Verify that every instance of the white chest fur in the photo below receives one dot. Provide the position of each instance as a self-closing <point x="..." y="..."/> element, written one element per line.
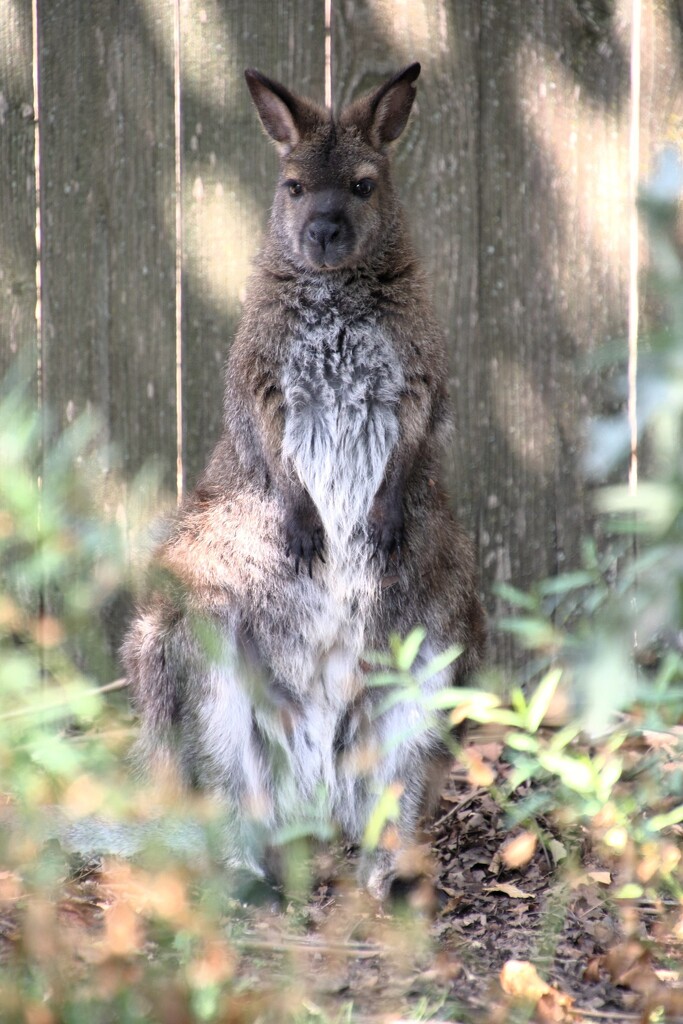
<point x="341" y="388"/>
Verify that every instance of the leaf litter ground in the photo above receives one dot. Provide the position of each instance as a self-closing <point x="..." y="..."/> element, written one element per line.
<point x="473" y="947"/>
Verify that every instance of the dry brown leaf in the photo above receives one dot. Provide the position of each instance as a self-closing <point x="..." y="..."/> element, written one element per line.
<point x="84" y="796"/>
<point x="11" y="887"/>
<point x="668" y="1001"/>
<point x="601" y="877"/>
<point x="478" y="772"/>
<point x="554" y="1008"/>
<point x="122" y="931"/>
<point x="490" y="751"/>
<point x="593" y="968"/>
<point x="521" y="980"/>
<point x="510" y="890"/>
<point x="591" y="877"/>
<point x="48" y="631"/>
<point x="518" y="851"/>
<point x="557" y="850"/>
<point x="37" y="1013"/>
<point x="629" y="965"/>
<point x="216" y="963"/>
<point x="666" y="741"/>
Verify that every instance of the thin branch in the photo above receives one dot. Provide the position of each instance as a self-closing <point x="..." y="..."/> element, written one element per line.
<point x="118" y="684"/>
<point x="360" y="951"/>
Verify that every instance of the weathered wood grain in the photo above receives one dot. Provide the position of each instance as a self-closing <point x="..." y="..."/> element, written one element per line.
<point x="229" y="172"/>
<point x="17" y="191"/>
<point x="553" y="250"/>
<point x="514" y="173"/>
<point x="108" y="220"/>
<point x="436" y="170"/>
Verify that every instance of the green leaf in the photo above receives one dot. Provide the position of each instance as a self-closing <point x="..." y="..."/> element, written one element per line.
<point x="609" y="776"/>
<point x="532" y="632"/>
<point x="557" y="851"/>
<point x="564" y="737"/>
<point x="541" y="698"/>
<point x="662" y="821"/>
<point x="518" y="700"/>
<point x="630" y="891"/>
<point x="522" y="741"/>
<point x="378" y="658"/>
<point x="655" y="504"/>
<point x="573" y="773"/>
<point x="405" y="652"/>
<point x="497" y="716"/>
<point x="387" y="679"/>
<point x="517" y="598"/>
<point x="438" y="663"/>
<point x="385" y="810"/>
<point x="452" y="697"/>
<point x="564" y="584"/>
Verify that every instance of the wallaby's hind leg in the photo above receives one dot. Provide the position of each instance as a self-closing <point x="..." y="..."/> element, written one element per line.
<point x="198" y="699"/>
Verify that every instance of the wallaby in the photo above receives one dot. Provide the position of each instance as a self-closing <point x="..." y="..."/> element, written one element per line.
<point x="319" y="527"/>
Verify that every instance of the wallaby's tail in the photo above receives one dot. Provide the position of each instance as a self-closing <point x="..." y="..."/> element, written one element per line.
<point x="153" y="670"/>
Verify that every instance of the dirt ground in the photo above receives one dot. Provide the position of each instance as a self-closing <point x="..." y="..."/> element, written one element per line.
<point x="492" y="930"/>
<point x="505" y="913"/>
<point x="603" y="959"/>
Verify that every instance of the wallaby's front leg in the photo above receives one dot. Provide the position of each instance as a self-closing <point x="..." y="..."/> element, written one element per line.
<point x="420" y="406"/>
<point x="304" y="534"/>
<point x="258" y="426"/>
<point x="386" y="518"/>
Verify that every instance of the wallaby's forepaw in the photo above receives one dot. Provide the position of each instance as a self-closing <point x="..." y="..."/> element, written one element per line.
<point x="304" y="540"/>
<point x="385" y="531"/>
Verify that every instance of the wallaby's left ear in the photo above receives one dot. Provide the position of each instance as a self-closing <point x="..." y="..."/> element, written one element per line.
<point x="383" y="114"/>
<point x="285" y="116"/>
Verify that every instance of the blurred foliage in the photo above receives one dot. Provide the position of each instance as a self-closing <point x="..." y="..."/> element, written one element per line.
<point x="591" y="732"/>
<point x="163" y="932"/>
<point x="594" y="734"/>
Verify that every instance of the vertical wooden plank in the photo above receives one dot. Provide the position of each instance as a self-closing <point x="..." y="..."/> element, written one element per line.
<point x="17" y="189"/>
<point x="661" y="109"/>
<point x="436" y="170"/>
<point x="554" y="103"/>
<point x="229" y="174"/>
<point x="516" y="175"/>
<point x="107" y="210"/>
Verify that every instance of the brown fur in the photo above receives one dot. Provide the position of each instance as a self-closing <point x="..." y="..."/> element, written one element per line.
<point x="319" y="527"/>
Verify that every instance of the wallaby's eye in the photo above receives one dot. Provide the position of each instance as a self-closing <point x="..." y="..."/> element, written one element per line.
<point x="295" y="188"/>
<point x="364" y="188"/>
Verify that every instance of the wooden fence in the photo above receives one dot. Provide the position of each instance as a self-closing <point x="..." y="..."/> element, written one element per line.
<point x="134" y="176"/>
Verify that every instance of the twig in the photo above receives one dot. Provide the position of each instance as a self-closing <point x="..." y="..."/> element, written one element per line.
<point x="458" y="807"/>
<point x="118" y="684"/>
<point x="616" y="1015"/>
<point x="358" y="950"/>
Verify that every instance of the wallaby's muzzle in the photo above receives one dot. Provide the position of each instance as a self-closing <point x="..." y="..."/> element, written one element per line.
<point x="327" y="240"/>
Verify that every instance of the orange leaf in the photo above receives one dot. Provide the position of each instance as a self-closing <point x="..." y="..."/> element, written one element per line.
<point x="510" y="890"/>
<point x="520" y="979"/>
<point x="123" y="934"/>
<point x="478" y="772"/>
<point x="519" y="851"/>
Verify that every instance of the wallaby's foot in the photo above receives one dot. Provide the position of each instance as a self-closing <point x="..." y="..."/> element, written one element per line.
<point x="403" y="878"/>
<point x="377" y="872"/>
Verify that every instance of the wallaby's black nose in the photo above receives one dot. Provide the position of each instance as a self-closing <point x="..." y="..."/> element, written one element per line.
<point x="323" y="231"/>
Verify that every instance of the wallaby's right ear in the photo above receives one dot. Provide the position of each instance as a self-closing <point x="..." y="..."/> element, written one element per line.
<point x="284" y="116"/>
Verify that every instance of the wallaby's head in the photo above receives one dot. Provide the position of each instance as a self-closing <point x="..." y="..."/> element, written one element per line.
<point x="334" y="200"/>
